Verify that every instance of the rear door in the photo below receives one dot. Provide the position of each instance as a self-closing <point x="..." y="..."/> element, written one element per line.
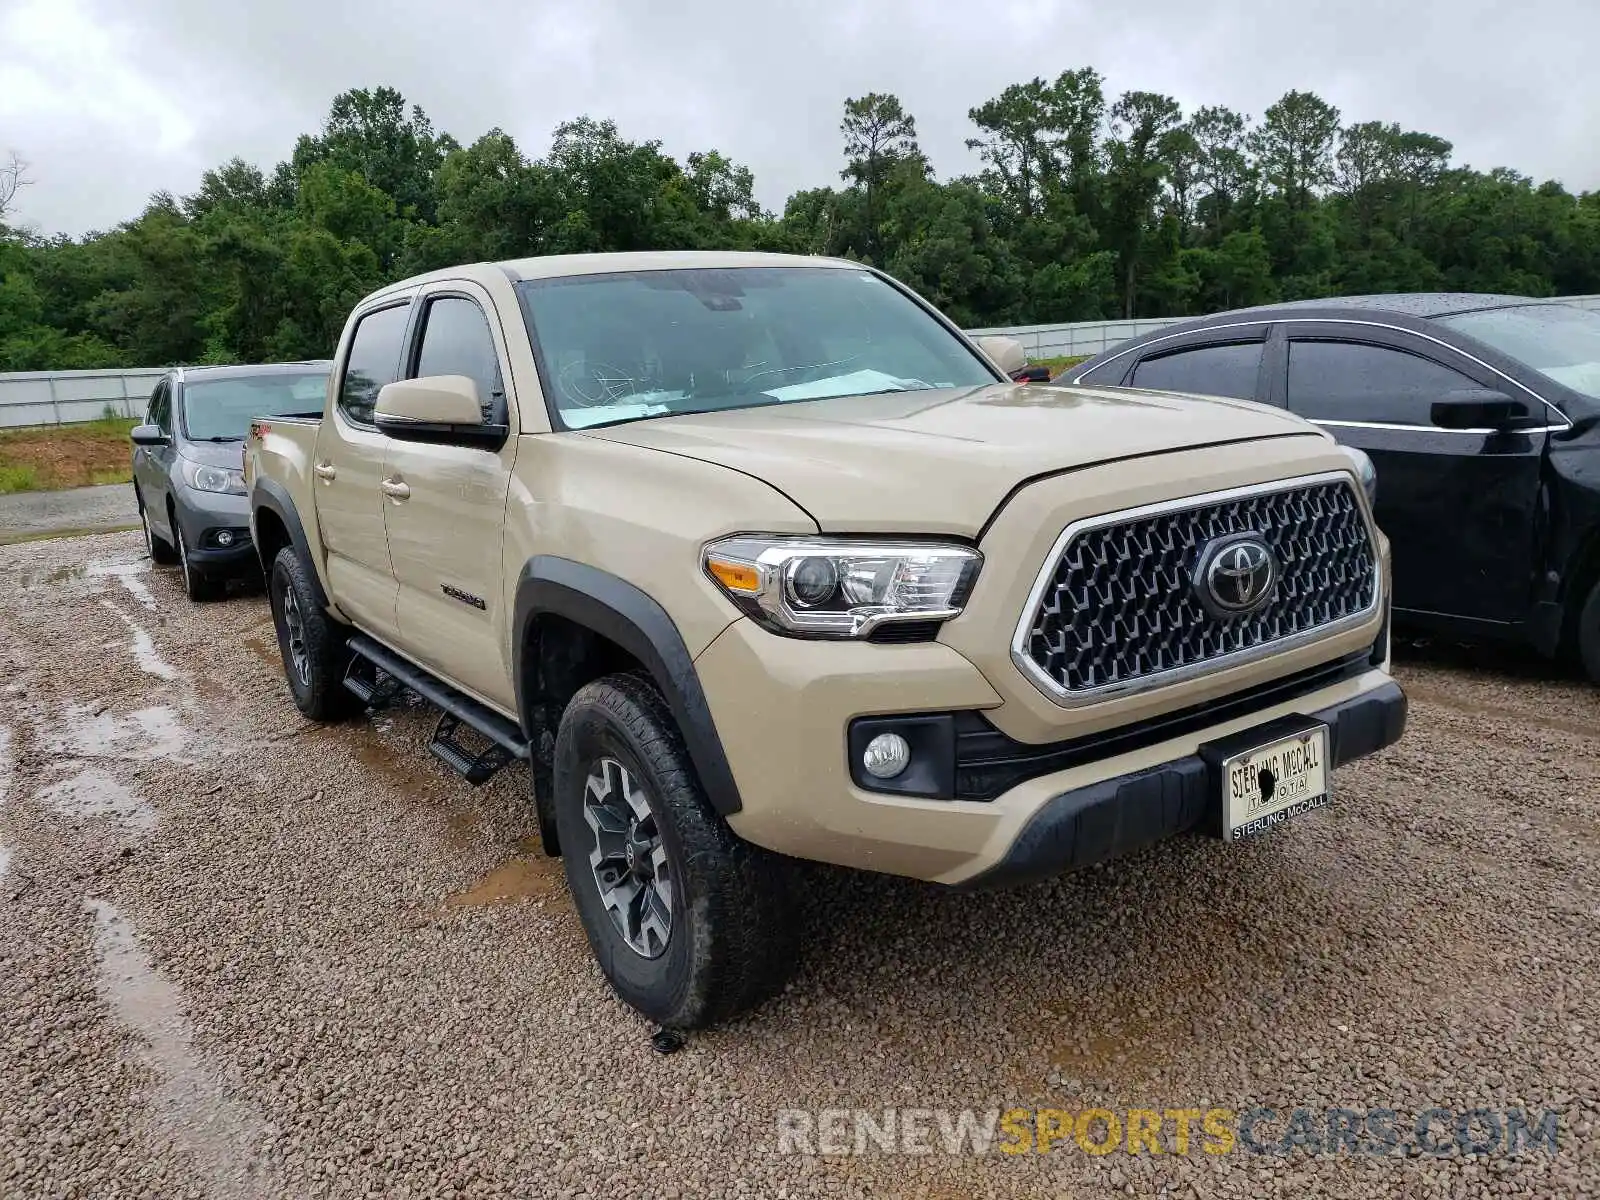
<point x="348" y="468"/>
<point x="446" y="530"/>
<point x="1459" y="506"/>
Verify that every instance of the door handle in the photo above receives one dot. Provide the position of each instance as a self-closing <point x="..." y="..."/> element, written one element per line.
<point x="395" y="489"/>
<point x="325" y="470"/>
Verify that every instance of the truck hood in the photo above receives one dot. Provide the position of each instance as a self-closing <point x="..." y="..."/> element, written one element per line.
<point x="941" y="461"/>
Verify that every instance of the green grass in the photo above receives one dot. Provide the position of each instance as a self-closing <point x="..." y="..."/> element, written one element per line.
<point x="1060" y="363"/>
<point x="18" y="479"/>
<point x="47" y="535"/>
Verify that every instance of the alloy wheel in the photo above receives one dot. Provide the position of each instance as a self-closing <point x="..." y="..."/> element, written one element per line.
<point x="629" y="859"/>
<point x="295" y="627"/>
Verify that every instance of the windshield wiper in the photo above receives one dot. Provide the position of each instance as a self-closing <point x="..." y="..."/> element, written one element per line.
<point x="222" y="439"/>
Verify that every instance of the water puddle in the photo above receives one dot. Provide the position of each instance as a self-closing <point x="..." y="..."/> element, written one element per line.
<point x="223" y="1136"/>
<point x="144" y="648"/>
<point x="149" y="733"/>
<point x="94" y="793"/>
<point x="531" y="876"/>
<point x="5" y="786"/>
<point x="127" y="574"/>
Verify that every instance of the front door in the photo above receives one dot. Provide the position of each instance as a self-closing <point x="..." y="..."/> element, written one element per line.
<point x="446" y="531"/>
<point x="1459" y="506"/>
<point x="348" y="469"/>
<point x="151" y="464"/>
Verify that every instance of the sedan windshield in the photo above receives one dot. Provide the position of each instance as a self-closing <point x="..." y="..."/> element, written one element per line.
<point x="219" y="410"/>
<point x="1556" y="340"/>
<point x="621" y="347"/>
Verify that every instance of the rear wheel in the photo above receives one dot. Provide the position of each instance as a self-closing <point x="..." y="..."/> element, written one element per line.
<point x="1589" y="634"/>
<point x="159" y="549"/>
<point x="200" y="586"/>
<point x="690" y="923"/>
<point x="310" y="642"/>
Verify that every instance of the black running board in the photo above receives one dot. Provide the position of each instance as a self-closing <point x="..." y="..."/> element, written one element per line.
<point x="456" y="707"/>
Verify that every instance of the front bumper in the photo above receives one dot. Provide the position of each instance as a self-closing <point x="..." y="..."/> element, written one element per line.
<point x="1103" y="820"/>
<point x="783" y="709"/>
<point x="203" y="515"/>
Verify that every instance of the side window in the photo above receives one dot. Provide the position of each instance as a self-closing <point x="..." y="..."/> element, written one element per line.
<point x="1348" y="381"/>
<point x="1209" y="370"/>
<point x="456" y="341"/>
<point x="374" y="360"/>
<point x="160" y="410"/>
<point x="1107" y="374"/>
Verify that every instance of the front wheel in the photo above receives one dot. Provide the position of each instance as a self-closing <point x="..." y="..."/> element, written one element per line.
<point x="158" y="548"/>
<point x="199" y="586"/>
<point x="690" y="923"/>
<point x="310" y="642"/>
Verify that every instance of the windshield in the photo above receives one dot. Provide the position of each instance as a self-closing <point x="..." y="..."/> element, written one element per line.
<point x="621" y="347"/>
<point x="1556" y="340"/>
<point x="219" y="410"/>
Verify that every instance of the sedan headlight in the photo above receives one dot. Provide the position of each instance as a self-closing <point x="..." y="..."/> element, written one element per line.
<point x="837" y="588"/>
<point x="1365" y="471"/>
<point x="212" y="479"/>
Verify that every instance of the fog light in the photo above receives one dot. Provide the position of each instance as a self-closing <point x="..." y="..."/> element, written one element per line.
<point x="225" y="538"/>
<point x="886" y="756"/>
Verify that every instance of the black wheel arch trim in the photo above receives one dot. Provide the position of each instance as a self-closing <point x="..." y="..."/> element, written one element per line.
<point x="617" y="610"/>
<point x="274" y="497"/>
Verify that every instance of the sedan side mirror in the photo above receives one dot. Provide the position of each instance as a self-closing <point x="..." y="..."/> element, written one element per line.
<point x="1478" y="408"/>
<point x="1006" y="353"/>
<point x="1034" y="374"/>
<point x="148" y="435"/>
<point x="437" y="408"/>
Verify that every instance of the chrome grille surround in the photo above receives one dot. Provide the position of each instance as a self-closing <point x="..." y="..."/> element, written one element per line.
<point x="1342" y="552"/>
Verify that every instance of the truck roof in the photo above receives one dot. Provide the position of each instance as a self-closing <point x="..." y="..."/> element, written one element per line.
<point x="554" y="266"/>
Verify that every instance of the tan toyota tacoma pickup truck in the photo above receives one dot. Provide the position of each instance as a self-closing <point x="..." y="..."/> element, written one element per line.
<point x="757" y="557"/>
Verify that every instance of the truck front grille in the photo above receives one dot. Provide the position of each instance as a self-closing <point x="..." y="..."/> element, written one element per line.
<point x="1119" y="609"/>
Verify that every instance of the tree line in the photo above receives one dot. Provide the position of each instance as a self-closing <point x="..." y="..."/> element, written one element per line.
<point x="1081" y="208"/>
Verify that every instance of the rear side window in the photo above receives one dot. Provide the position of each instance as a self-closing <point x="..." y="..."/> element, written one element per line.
<point x="456" y="341"/>
<point x="374" y="361"/>
<point x="1348" y="381"/>
<point x="1229" y="370"/>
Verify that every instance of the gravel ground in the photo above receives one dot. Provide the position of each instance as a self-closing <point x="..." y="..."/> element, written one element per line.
<point x="28" y="514"/>
<point x="243" y="956"/>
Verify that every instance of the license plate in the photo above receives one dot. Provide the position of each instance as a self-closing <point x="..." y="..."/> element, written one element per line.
<point x="1274" y="783"/>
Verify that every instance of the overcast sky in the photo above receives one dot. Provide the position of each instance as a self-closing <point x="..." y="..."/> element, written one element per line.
<point x="111" y="101"/>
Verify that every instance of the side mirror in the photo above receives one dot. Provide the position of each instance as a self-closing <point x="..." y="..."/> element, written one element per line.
<point x="1478" y="408"/>
<point x="1036" y="374"/>
<point x="148" y="435"/>
<point x="1006" y="353"/>
<point x="438" y="408"/>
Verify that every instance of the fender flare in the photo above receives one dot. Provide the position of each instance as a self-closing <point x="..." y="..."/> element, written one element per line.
<point x="620" y="612"/>
<point x="274" y="497"/>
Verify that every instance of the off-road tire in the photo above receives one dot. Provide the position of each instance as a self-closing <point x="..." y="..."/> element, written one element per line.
<point x="200" y="587"/>
<point x="158" y="548"/>
<point x="733" y="937"/>
<point x="1587" y="634"/>
<point x="314" y="671"/>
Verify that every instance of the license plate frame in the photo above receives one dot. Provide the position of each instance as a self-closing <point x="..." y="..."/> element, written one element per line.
<point x="1298" y="748"/>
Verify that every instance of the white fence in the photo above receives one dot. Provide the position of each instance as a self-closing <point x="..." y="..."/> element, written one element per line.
<point x="61" y="397"/>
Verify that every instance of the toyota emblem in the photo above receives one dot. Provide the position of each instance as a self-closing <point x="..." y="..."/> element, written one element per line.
<point x="1235" y="575"/>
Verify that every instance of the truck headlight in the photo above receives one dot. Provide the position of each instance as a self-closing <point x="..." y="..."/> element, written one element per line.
<point x="212" y="479"/>
<point x="1365" y="471"/>
<point x="841" y="588"/>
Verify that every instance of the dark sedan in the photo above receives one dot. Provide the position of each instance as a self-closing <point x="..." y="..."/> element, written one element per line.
<point x="188" y="457"/>
<point x="1482" y="416"/>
